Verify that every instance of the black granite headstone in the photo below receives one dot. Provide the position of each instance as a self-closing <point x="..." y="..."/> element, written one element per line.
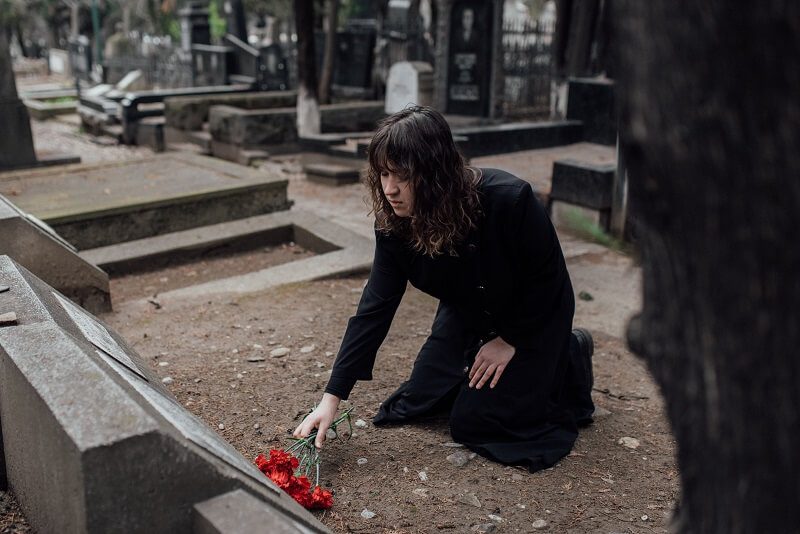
<point x="194" y="24"/>
<point x="16" y="139"/>
<point x="469" y="58"/>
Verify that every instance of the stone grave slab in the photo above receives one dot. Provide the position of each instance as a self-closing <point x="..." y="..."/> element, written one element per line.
<point x="583" y="183"/>
<point x="101" y="204"/>
<point x="38" y="248"/>
<point x="93" y="442"/>
<point x="331" y="173"/>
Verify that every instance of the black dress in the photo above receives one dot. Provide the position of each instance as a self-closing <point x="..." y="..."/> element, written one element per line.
<point x="508" y="279"/>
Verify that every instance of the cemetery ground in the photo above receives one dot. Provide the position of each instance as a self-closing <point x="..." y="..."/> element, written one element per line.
<point x="216" y="355"/>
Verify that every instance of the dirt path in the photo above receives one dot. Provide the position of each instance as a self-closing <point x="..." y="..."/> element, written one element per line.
<point x="407" y="480"/>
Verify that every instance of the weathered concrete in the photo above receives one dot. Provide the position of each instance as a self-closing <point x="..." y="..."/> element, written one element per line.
<point x="190" y="112"/>
<point x="248" y="128"/>
<point x="92" y="440"/>
<point x="583" y="183"/>
<point x="242" y="234"/>
<point x="43" y="109"/>
<point x="331" y="174"/>
<point x="52" y="259"/>
<point x="341" y="252"/>
<point x="237" y="512"/>
<point x="101" y="204"/>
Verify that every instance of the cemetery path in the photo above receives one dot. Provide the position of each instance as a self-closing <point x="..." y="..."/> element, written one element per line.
<point x="217" y="355"/>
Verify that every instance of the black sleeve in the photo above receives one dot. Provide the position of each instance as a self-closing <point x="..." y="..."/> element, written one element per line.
<point x="545" y="304"/>
<point x="367" y="329"/>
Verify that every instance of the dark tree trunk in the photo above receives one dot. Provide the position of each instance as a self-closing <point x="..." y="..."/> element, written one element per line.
<point x="710" y="127"/>
<point x="326" y="75"/>
<point x="308" y="120"/>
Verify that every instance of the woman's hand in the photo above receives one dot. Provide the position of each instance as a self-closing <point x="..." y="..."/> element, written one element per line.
<point x="321" y="418"/>
<point x="492" y="359"/>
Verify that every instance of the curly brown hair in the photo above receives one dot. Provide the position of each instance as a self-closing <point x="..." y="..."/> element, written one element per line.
<point x="416" y="142"/>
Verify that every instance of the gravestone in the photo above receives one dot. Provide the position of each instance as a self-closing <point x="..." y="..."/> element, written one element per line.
<point x="274" y="72"/>
<point x="469" y="58"/>
<point x="39" y="249"/>
<point x="80" y="57"/>
<point x="93" y="442"/>
<point x="409" y="82"/>
<point x="16" y="139"/>
<point x="354" y="56"/>
<point x="194" y="24"/>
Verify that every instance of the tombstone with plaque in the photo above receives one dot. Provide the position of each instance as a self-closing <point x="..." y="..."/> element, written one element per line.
<point x="92" y="440"/>
<point x="469" y="58"/>
<point x="409" y="83"/>
<point x="195" y="28"/>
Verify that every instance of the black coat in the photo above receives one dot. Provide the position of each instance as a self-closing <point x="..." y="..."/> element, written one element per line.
<point x="508" y="279"/>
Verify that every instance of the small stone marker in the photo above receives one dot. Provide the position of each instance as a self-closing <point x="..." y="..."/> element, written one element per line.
<point x="367" y="514"/>
<point x="408" y="83"/>
<point x="255" y="359"/>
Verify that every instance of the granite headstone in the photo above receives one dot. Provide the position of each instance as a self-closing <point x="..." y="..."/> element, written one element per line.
<point x="93" y="441"/>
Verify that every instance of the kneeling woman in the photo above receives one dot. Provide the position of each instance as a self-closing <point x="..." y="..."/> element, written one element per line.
<point x="502" y="355"/>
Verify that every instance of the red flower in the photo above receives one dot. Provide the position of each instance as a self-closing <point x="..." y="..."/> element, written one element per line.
<point x="280" y="469"/>
<point x="321" y="499"/>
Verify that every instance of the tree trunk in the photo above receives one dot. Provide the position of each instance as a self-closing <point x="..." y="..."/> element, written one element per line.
<point x="308" y="120"/>
<point x="710" y="129"/>
<point x="326" y="76"/>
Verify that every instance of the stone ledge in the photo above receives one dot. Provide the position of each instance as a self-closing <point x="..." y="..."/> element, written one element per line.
<point x="331" y="173"/>
<point x="585" y="184"/>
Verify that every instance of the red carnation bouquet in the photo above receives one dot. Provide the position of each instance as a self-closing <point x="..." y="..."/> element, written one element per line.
<point x="291" y="473"/>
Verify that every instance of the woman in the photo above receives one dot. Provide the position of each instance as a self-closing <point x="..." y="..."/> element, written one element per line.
<point x="501" y="354"/>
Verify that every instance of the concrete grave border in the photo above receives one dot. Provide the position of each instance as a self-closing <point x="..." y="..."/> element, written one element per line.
<point x="340" y="251"/>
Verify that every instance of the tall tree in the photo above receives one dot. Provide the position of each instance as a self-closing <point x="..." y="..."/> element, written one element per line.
<point x="710" y="129"/>
<point x="308" y="119"/>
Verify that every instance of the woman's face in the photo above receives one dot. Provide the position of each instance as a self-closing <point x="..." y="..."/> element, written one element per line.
<point x="399" y="192"/>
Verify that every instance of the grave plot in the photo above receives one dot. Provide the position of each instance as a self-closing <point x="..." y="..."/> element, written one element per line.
<point x="93" y="442"/>
<point x="101" y="204"/>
